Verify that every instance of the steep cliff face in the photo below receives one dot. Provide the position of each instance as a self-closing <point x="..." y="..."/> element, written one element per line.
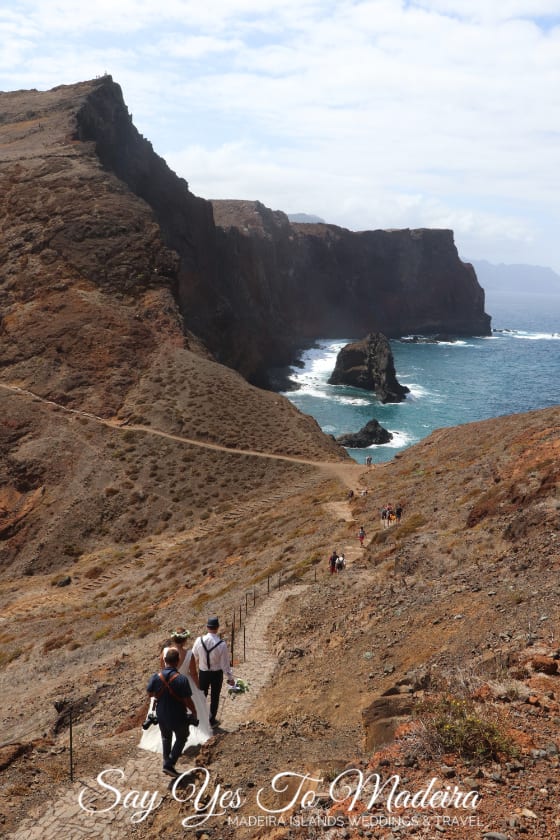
<point x="87" y="201"/>
<point x="310" y="280"/>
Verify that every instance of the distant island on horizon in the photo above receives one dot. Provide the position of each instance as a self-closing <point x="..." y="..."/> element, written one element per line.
<point x="517" y="277"/>
<point x="305" y="219"/>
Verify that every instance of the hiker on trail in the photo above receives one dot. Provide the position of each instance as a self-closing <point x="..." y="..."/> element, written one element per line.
<point x="390" y="514"/>
<point x="368" y="461"/>
<point x="212" y="657"/>
<point x="332" y="562"/>
<point x="398" y="512"/>
<point x="173" y="694"/>
<point x="361" y="536"/>
<point x="340" y="563"/>
<point x="186" y="666"/>
<point x="384" y="516"/>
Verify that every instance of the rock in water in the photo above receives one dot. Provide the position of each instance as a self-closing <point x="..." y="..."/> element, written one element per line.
<point x="371" y="433"/>
<point x="369" y="364"/>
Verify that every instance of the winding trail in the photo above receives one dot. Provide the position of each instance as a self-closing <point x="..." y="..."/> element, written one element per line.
<point x="347" y="473"/>
<point x="27" y="603"/>
<point x="63" y="816"/>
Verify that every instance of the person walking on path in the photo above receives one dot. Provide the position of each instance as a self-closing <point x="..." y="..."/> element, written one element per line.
<point x="173" y="694"/>
<point x="212" y="657"/>
<point x="398" y="512"/>
<point x="332" y="562"/>
<point x="361" y="536"/>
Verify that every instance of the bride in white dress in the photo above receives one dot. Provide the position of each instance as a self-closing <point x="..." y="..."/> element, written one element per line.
<point x="151" y="738"/>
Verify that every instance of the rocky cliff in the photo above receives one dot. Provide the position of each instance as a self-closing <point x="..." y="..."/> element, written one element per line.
<point x="87" y="200"/>
<point x="310" y="280"/>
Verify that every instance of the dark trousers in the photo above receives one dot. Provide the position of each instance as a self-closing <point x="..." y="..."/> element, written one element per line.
<point x="211" y="680"/>
<point x="181" y="732"/>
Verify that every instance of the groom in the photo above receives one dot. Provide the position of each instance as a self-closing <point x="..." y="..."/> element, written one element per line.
<point x="173" y="694"/>
<point x="212" y="658"/>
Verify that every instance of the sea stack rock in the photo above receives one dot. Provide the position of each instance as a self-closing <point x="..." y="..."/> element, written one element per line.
<point x="372" y="433"/>
<point x="369" y="364"/>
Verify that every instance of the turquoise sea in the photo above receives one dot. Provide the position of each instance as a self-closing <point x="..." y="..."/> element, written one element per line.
<point x="516" y="369"/>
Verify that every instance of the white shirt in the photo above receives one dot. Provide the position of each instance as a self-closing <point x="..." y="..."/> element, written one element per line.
<point x="219" y="656"/>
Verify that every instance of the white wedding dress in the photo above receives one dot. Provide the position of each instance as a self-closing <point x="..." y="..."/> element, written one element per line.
<point x="151" y="738"/>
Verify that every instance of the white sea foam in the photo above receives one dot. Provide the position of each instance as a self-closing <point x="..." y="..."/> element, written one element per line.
<point x="351" y="400"/>
<point x="527" y="335"/>
<point x="537" y="336"/>
<point x="310" y="391"/>
<point x="399" y="440"/>
<point x="416" y="391"/>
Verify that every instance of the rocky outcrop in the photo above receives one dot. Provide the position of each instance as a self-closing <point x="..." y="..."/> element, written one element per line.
<point x="370" y="434"/>
<point x="369" y="364"/>
<point x="382" y="717"/>
<point x="87" y="200"/>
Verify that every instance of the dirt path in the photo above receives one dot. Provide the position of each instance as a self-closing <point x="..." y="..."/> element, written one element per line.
<point x="350" y="546"/>
<point x="64" y="817"/>
<point x="349" y="474"/>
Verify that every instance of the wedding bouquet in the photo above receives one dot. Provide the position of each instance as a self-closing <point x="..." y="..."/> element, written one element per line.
<point x="240" y="687"/>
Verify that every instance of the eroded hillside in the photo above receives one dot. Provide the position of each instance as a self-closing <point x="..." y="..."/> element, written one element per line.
<point x="460" y="600"/>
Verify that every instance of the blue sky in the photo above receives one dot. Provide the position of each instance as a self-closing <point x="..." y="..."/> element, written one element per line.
<point x="368" y="113"/>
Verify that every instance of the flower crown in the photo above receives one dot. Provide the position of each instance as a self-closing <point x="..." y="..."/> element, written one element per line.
<point x="181" y="635"/>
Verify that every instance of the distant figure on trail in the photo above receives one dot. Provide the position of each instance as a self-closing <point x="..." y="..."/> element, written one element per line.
<point x="350" y="494"/>
<point x="368" y="461"/>
<point x="384" y="516"/>
<point x="390" y="514"/>
<point x="340" y="563"/>
<point x="361" y="536"/>
<point x="332" y="562"/>
<point x="398" y="512"/>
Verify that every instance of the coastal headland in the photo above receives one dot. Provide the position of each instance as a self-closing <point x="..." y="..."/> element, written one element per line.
<point x="147" y="482"/>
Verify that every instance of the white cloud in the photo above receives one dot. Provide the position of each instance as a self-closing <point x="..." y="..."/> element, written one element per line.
<point x="367" y="112"/>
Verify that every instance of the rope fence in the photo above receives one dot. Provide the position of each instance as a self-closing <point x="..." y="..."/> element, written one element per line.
<point x="240" y="611"/>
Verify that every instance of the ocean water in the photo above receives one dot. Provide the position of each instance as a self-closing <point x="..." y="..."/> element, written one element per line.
<point x="516" y="369"/>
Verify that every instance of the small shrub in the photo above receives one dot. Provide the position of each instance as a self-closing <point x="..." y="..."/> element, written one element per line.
<point x="381" y="537"/>
<point x="57" y="642"/>
<point x="94" y="572"/>
<point x="455" y="726"/>
<point x="408" y="526"/>
<point x="6" y="657"/>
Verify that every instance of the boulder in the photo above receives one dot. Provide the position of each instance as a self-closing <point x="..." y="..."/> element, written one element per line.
<point x="382" y="717"/>
<point x="369" y="364"/>
<point x="371" y="433"/>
